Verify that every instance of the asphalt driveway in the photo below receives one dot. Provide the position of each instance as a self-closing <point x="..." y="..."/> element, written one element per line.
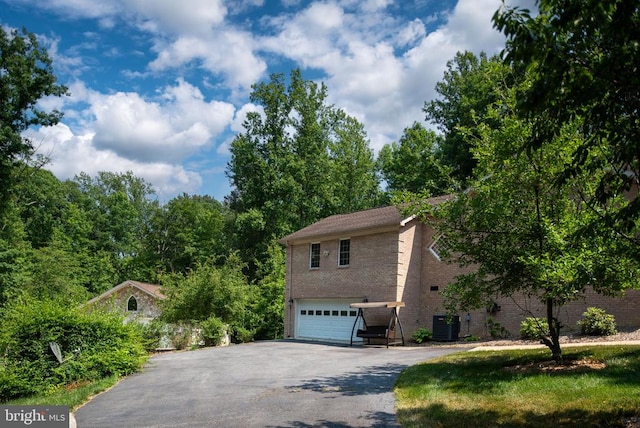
<point x="263" y="384"/>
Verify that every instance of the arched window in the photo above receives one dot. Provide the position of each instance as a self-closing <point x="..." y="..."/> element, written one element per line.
<point x="132" y="304"/>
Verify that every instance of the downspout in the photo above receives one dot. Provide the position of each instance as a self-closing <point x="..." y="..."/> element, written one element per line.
<point x="290" y="301"/>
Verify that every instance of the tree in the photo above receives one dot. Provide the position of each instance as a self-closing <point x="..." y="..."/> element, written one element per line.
<point x="413" y="165"/>
<point x="352" y="171"/>
<point x="518" y="232"/>
<point x="583" y="58"/>
<point x="118" y="210"/>
<point x="41" y="198"/>
<point x="297" y="162"/>
<point x="208" y="291"/>
<point x="189" y="230"/>
<point x="469" y="86"/>
<point x="26" y="76"/>
<point x="268" y="299"/>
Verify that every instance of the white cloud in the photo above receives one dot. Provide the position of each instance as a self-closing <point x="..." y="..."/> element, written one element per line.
<point x="72" y="154"/>
<point x="228" y="53"/>
<point x="412" y="32"/>
<point x="368" y="72"/>
<point x="179" y="17"/>
<point x="123" y="131"/>
<point x="380" y="66"/>
<point x="173" y="127"/>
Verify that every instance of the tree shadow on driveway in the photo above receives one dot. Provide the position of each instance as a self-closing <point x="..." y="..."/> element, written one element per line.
<point x="364" y="381"/>
<point x="375" y="420"/>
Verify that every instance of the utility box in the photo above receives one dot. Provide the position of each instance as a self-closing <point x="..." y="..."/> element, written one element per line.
<point x="444" y="331"/>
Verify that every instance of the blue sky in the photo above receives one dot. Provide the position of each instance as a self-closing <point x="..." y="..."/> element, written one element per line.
<point x="160" y="87"/>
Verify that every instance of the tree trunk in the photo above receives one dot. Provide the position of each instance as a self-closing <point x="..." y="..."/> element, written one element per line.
<point x="553" y="341"/>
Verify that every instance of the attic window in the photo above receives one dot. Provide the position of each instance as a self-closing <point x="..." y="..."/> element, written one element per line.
<point x="132" y="304"/>
<point x="440" y="246"/>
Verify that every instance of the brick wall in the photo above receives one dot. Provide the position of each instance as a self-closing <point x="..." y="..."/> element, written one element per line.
<point x="626" y="310"/>
<point x="397" y="265"/>
<point x="371" y="274"/>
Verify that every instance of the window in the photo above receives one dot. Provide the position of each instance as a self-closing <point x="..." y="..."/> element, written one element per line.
<point x="440" y="247"/>
<point x="132" y="304"/>
<point x="314" y="256"/>
<point x="343" y="252"/>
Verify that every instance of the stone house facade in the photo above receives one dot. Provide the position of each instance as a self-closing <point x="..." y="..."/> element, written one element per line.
<point x="136" y="300"/>
<point x="379" y="255"/>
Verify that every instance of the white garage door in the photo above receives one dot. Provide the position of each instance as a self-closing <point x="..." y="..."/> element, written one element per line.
<point x="325" y="319"/>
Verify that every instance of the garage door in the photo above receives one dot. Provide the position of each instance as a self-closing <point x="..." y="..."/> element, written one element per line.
<point x="325" y="319"/>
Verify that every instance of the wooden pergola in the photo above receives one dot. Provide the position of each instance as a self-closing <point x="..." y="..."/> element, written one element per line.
<point x="386" y="332"/>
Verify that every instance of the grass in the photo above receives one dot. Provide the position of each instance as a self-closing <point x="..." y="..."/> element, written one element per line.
<point x="73" y="396"/>
<point x="599" y="387"/>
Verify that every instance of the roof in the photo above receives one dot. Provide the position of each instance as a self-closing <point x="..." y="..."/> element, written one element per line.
<point x="150" y="289"/>
<point x="383" y="218"/>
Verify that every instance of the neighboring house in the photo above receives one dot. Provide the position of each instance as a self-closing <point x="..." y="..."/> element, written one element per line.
<point x="136" y="300"/>
<point x="379" y="255"/>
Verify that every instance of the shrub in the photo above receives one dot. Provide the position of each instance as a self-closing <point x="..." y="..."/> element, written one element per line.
<point x="93" y="345"/>
<point x="422" y="335"/>
<point x="534" y="328"/>
<point x="213" y="332"/>
<point x="153" y="334"/>
<point x="497" y="330"/>
<point x="242" y="335"/>
<point x="596" y="322"/>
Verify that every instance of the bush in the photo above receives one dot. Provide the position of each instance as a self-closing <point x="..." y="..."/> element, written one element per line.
<point x="596" y="322"/>
<point x="93" y="345"/>
<point x="214" y="331"/>
<point x="422" y="335"/>
<point x="534" y="328"/>
<point x="497" y="330"/>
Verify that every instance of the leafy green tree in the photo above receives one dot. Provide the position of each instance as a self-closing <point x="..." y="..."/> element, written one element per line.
<point x="185" y="232"/>
<point x="26" y="76"/>
<point x="355" y="184"/>
<point x="297" y="162"/>
<point x="42" y="201"/>
<point x="518" y="232"/>
<point x="209" y="291"/>
<point x="118" y="209"/>
<point x="470" y="85"/>
<point x="268" y="300"/>
<point x="413" y="164"/>
<point x="14" y="253"/>
<point x="583" y="57"/>
<point x="56" y="271"/>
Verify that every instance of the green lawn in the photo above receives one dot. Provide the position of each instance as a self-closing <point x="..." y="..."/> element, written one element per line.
<point x="72" y="396"/>
<point x="599" y="387"/>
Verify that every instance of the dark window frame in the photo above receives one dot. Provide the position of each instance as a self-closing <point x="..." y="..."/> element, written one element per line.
<point x="314" y="255"/>
<point x="344" y="252"/>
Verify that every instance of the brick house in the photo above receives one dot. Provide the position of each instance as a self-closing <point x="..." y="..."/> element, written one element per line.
<point x="137" y="300"/>
<point x="379" y="255"/>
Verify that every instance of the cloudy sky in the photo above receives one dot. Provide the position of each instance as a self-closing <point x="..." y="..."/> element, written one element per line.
<point x="160" y="87"/>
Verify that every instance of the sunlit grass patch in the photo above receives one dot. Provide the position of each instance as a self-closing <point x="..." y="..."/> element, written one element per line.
<point x="599" y="386"/>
